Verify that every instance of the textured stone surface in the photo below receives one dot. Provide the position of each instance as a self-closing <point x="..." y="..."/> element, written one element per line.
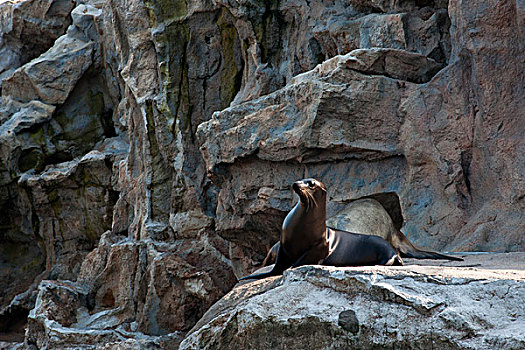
<point x="424" y="142"/>
<point x="28" y="28"/>
<point x="86" y="185"/>
<point x="336" y="113"/>
<point x="411" y="307"/>
<point x="128" y="289"/>
<point x="107" y="124"/>
<point x="59" y="149"/>
<point x="51" y="77"/>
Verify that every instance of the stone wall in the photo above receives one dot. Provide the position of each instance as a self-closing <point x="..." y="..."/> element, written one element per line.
<point x="148" y="147"/>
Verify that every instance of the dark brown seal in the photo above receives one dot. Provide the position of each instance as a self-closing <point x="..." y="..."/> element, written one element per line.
<point x="305" y="239"/>
<point x="367" y="216"/>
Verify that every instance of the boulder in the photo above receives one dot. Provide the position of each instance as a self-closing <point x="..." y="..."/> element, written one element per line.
<point x="51" y="77"/>
<point x="410" y="307"/>
<point x="148" y="292"/>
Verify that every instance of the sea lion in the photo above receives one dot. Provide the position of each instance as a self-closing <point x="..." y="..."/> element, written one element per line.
<point x="305" y="239"/>
<point x="369" y="217"/>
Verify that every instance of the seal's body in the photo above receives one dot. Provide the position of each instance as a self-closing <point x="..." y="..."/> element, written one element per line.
<point x="305" y="239"/>
<point x="346" y="241"/>
<point x="353" y="249"/>
<point x="368" y="216"/>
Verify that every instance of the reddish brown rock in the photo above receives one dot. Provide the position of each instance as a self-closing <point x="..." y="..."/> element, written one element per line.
<point x="131" y="289"/>
<point x="425" y="102"/>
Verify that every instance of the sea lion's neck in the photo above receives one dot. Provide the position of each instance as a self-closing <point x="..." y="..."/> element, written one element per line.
<point x="303" y="220"/>
<point x="315" y="216"/>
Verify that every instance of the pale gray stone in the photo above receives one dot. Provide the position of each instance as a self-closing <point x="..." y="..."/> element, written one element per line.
<point x="410" y="307"/>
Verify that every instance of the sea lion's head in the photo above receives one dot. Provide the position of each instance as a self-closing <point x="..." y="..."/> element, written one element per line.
<point x="311" y="192"/>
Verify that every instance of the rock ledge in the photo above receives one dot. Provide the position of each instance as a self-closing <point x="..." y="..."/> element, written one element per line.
<point x="410" y="307"/>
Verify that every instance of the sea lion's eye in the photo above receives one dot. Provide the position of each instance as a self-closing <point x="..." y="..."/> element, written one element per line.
<point x="310" y="184"/>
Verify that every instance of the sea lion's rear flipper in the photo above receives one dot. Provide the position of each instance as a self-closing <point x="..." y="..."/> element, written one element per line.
<point x="408" y="250"/>
<point x="422" y="254"/>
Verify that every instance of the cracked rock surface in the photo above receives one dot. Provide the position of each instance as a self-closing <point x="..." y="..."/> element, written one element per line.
<point x="147" y="150"/>
<point x="411" y="307"/>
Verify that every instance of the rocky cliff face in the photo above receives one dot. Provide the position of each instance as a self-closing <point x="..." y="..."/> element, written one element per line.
<point x="147" y="147"/>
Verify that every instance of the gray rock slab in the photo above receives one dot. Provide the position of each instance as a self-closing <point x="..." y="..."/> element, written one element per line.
<point x="474" y="304"/>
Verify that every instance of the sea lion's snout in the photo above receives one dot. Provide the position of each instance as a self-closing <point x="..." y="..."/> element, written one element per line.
<point x="297" y="186"/>
<point x="301" y="189"/>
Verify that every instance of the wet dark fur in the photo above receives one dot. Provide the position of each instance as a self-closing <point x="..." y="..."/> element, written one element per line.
<point x="305" y="239"/>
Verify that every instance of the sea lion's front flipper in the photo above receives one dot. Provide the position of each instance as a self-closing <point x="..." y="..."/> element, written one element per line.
<point x="282" y="262"/>
<point x="271" y="257"/>
<point x="314" y="255"/>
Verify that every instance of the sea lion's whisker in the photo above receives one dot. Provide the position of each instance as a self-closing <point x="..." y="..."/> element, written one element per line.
<point x="313" y="199"/>
<point x="310" y="199"/>
<point x="305" y="198"/>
